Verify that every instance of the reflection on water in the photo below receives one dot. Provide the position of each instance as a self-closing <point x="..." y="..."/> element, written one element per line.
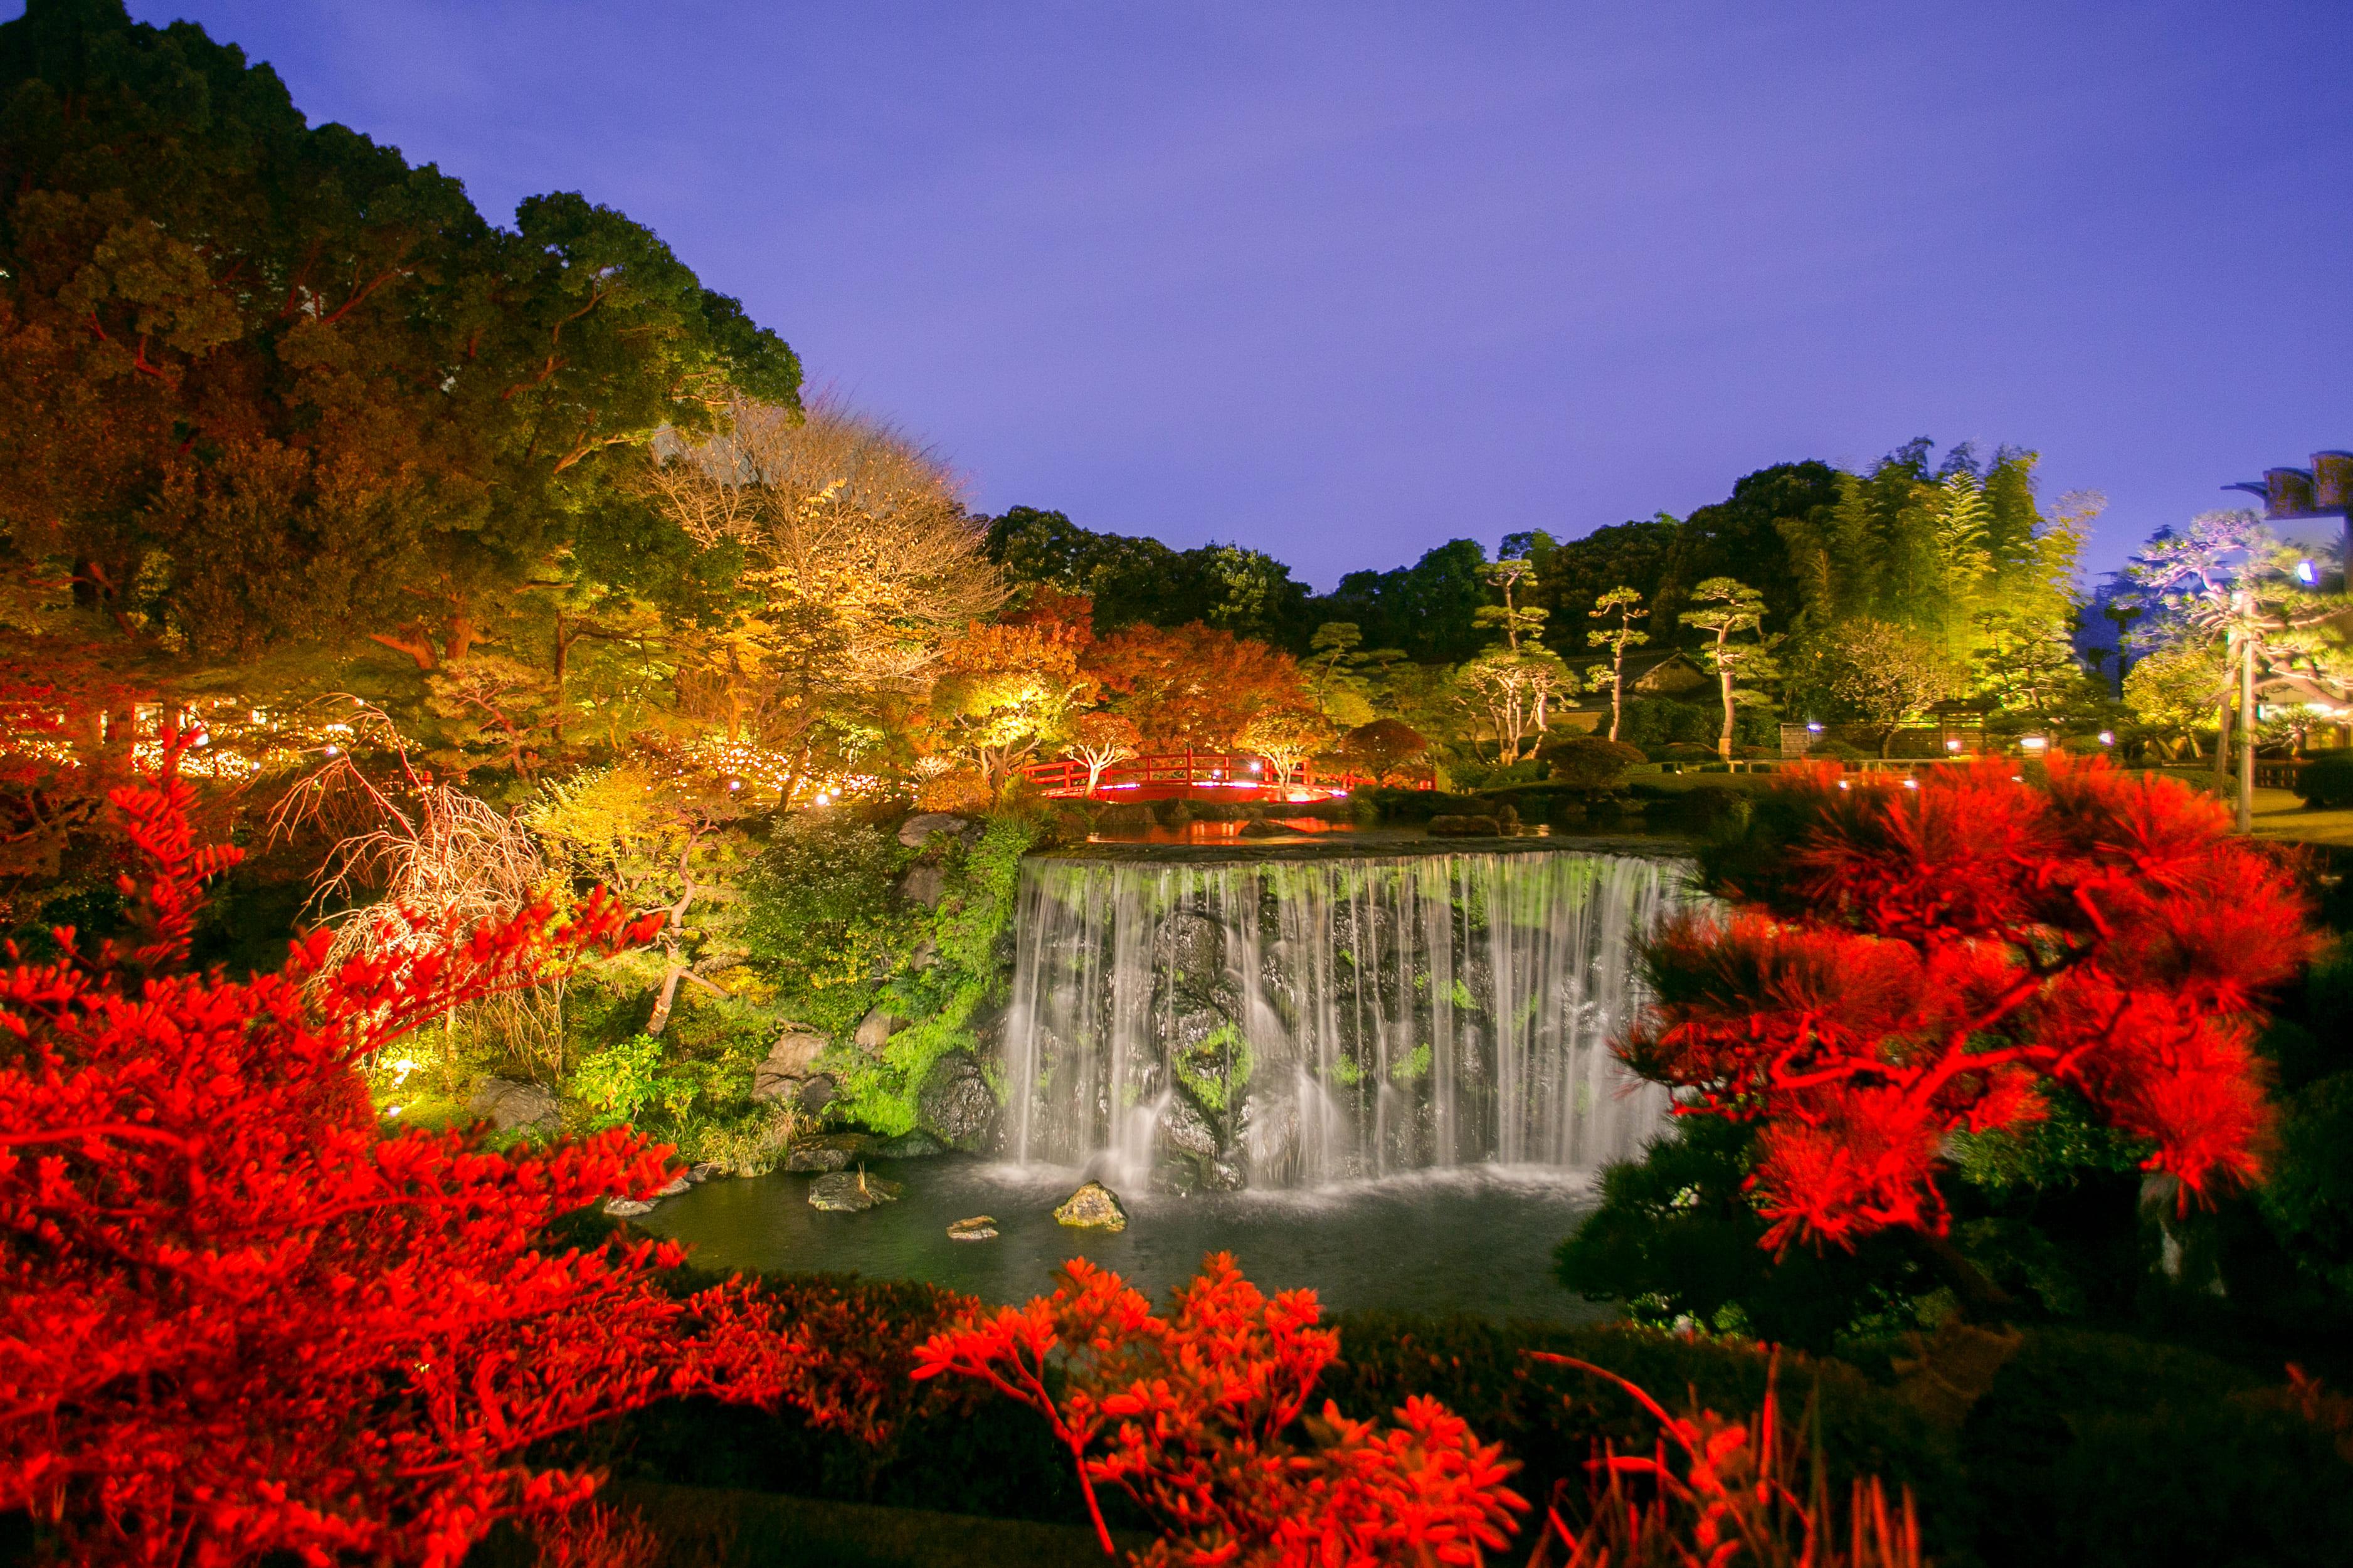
<point x="1475" y="1240"/>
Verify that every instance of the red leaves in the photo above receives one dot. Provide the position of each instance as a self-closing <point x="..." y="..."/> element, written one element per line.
<point x="1188" y="1415"/>
<point x="236" y="1319"/>
<point x="1936" y="954"/>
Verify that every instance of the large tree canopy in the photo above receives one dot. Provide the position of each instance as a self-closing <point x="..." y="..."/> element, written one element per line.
<point x="259" y="380"/>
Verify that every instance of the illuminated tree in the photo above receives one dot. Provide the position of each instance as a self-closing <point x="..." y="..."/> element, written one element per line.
<point x="1286" y="736"/>
<point x="1383" y="747"/>
<point x="1193" y="685"/>
<point x="1728" y="608"/>
<point x="1099" y="740"/>
<point x="2177" y="691"/>
<point x="239" y="1321"/>
<point x="2228" y="581"/>
<point x="858" y="564"/>
<point x="1627" y="606"/>
<point x="656" y="831"/>
<point x="1512" y="578"/>
<point x="1197" y="1419"/>
<point x="1003" y="692"/>
<point x="263" y="383"/>
<point x="1514" y="691"/>
<point x="1896" y="962"/>
<point x="1882" y="674"/>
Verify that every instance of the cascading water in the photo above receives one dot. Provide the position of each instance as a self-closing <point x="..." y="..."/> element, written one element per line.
<point x="1291" y="1023"/>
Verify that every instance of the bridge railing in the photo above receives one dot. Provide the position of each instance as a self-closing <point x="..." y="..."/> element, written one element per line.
<point x="1189" y="770"/>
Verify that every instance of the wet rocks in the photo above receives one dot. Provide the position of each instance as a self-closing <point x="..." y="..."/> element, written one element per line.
<point x="980" y="1227"/>
<point x="955" y="1104"/>
<point x="818" y="1092"/>
<point x="834" y="1152"/>
<point x="676" y="1185"/>
<point x="509" y="1105"/>
<point x="627" y="1208"/>
<point x="1093" y="1207"/>
<point x="709" y="1171"/>
<point x="851" y="1192"/>
<point x="787" y="1066"/>
<point x="910" y="1146"/>
<point x="917" y="830"/>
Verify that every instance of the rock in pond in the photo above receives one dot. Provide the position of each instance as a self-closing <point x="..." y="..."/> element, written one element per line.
<point x="678" y="1184"/>
<point x="851" y="1192"/>
<point x="627" y="1208"/>
<point x="834" y="1152"/>
<point x="1093" y="1207"/>
<point x="980" y="1227"/>
<point x="709" y="1171"/>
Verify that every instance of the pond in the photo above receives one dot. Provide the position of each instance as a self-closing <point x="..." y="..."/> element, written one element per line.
<point x="1475" y="1239"/>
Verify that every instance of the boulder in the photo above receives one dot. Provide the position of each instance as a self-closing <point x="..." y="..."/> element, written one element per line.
<point x="910" y="1146"/>
<point x="816" y="1093"/>
<point x="925" y="885"/>
<point x="1262" y="828"/>
<point x="875" y="1029"/>
<point x="980" y="1227"/>
<point x="926" y="953"/>
<point x="1093" y="1207"/>
<point x="918" y="829"/>
<point x="709" y="1171"/>
<point x="678" y="1184"/>
<point x="1464" y="828"/>
<point x="510" y="1104"/>
<point x="627" y="1208"/>
<point x="787" y="1064"/>
<point x="835" y="1152"/>
<point x="955" y="1105"/>
<point x="851" y="1192"/>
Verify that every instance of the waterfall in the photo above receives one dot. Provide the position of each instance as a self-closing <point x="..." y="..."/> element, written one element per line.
<point x="1290" y="1022"/>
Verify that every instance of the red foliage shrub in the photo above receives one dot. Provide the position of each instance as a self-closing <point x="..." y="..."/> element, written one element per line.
<point x="1715" y="1491"/>
<point x="1924" y="957"/>
<point x="1187" y="1416"/>
<point x="235" y="1318"/>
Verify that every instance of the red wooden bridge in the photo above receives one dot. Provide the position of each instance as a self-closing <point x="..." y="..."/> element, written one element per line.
<point x="1194" y="775"/>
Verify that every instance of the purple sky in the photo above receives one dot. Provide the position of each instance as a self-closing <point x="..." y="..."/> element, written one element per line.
<point x="1341" y="281"/>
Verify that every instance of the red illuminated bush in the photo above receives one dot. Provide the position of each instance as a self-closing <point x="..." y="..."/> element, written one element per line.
<point x="1920" y="960"/>
<point x="237" y="1319"/>
<point x="1715" y="1491"/>
<point x="1187" y="1417"/>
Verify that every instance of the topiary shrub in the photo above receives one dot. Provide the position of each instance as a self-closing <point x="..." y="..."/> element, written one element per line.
<point x="1590" y="762"/>
<point x="2326" y="782"/>
<point x="1383" y="747"/>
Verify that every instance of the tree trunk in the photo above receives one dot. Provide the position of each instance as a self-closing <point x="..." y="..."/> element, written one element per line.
<point x="666" y="999"/>
<point x="2247" y="735"/>
<point x="1981" y="1301"/>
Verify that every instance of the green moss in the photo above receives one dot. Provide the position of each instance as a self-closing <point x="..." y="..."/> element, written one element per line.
<point x="1216" y="1069"/>
<point x="1414" y="1067"/>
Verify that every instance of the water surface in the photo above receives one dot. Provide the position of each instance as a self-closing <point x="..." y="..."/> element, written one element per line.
<point x="1475" y="1240"/>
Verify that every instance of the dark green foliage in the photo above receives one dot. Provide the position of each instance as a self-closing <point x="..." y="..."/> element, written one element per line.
<point x="264" y="383"/>
<point x="1246" y="592"/>
<point x="1588" y="762"/>
<point x="1430" y="609"/>
<point x="2309" y="1198"/>
<point x="1675" y="1240"/>
<point x="2325" y="783"/>
<point x="824" y="921"/>
<point x="2099" y="1449"/>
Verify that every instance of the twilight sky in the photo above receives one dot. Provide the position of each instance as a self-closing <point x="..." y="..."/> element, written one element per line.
<point x="1343" y="280"/>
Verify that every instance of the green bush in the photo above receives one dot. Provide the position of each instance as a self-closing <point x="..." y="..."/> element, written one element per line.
<point x="2326" y="782"/>
<point x="1590" y="762"/>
